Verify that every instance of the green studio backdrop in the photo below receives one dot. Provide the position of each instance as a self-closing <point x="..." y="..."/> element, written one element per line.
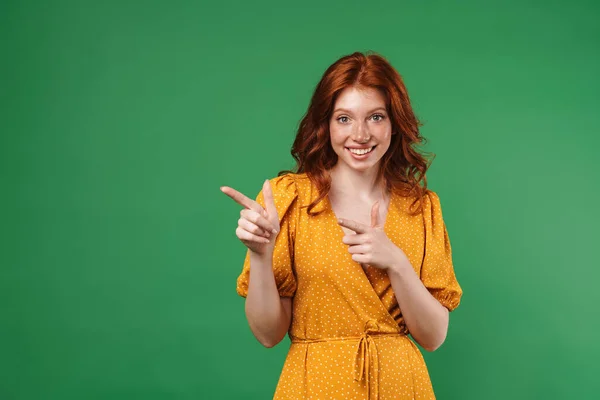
<point x="121" y="119"/>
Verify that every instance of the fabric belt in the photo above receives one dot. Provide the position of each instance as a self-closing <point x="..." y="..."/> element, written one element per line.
<point x="367" y="358"/>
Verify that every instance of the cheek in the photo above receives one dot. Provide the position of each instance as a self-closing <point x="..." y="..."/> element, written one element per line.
<point x="384" y="137"/>
<point x="384" y="133"/>
<point x="336" y="134"/>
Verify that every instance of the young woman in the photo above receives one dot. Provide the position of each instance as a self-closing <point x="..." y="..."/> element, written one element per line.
<point x="350" y="254"/>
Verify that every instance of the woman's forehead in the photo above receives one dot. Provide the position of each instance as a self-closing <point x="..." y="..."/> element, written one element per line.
<point x="360" y="99"/>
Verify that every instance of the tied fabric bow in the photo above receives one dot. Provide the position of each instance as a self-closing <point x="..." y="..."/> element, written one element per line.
<point x="367" y="360"/>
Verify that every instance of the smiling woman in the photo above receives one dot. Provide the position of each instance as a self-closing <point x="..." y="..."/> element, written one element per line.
<point x="349" y="254"/>
<point x="359" y="127"/>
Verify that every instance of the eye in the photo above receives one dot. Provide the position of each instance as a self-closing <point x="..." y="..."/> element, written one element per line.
<point x="343" y="119"/>
<point x="378" y="117"/>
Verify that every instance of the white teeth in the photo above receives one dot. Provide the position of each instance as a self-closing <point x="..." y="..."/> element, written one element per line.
<point x="361" y="151"/>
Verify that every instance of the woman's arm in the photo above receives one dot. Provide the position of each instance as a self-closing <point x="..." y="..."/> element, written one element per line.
<point x="268" y="314"/>
<point x="426" y="319"/>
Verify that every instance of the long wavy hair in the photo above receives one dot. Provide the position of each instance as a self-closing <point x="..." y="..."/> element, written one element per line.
<point x="403" y="167"/>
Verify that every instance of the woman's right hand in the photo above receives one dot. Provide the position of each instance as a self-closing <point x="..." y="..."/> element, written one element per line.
<point x="257" y="227"/>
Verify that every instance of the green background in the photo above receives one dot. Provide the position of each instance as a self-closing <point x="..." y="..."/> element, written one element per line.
<point x="121" y="119"/>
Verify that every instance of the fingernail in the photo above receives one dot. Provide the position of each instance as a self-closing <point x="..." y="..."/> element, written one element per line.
<point x="274" y="231"/>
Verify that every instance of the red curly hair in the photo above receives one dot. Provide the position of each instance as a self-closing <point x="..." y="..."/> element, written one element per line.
<point x="402" y="167"/>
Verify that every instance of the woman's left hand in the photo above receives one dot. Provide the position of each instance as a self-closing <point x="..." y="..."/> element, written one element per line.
<point x="370" y="245"/>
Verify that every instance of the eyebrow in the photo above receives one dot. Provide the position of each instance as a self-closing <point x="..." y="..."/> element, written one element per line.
<point x="350" y="112"/>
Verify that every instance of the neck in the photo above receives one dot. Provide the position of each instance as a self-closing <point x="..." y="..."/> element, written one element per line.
<point x="364" y="185"/>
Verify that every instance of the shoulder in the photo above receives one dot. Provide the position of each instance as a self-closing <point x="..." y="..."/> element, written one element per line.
<point x="284" y="185"/>
<point x="432" y="207"/>
<point x="414" y="205"/>
<point x="287" y="190"/>
<point x="301" y="187"/>
<point x="291" y="185"/>
<point x="431" y="199"/>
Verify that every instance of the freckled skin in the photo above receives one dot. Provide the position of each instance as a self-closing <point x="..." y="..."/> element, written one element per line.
<point x="360" y="120"/>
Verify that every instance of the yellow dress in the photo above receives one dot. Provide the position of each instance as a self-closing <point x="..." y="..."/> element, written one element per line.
<point x="349" y="340"/>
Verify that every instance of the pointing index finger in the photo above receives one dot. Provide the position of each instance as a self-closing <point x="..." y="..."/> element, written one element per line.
<point x="242" y="199"/>
<point x="353" y="225"/>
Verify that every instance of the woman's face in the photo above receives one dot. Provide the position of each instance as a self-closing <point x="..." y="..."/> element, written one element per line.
<point x="360" y="128"/>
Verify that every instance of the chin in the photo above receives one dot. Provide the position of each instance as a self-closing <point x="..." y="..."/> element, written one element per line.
<point x="361" y="166"/>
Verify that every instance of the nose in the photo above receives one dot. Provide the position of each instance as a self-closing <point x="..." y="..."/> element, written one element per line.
<point x="361" y="134"/>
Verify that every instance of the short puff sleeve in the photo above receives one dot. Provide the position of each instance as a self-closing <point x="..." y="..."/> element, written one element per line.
<point x="437" y="271"/>
<point x="285" y="196"/>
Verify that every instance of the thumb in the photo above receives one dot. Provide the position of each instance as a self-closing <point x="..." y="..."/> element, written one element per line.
<point x="270" y="202"/>
<point x="375" y="215"/>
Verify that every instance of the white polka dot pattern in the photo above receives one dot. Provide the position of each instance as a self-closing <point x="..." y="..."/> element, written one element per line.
<point x="349" y="340"/>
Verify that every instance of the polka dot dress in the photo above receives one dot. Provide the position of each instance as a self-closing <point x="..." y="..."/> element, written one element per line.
<point x="349" y="340"/>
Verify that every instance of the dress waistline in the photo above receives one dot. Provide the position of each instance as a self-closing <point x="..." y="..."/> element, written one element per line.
<point x="367" y="358"/>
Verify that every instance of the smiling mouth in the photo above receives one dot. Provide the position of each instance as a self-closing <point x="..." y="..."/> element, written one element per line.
<point x="360" y="152"/>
